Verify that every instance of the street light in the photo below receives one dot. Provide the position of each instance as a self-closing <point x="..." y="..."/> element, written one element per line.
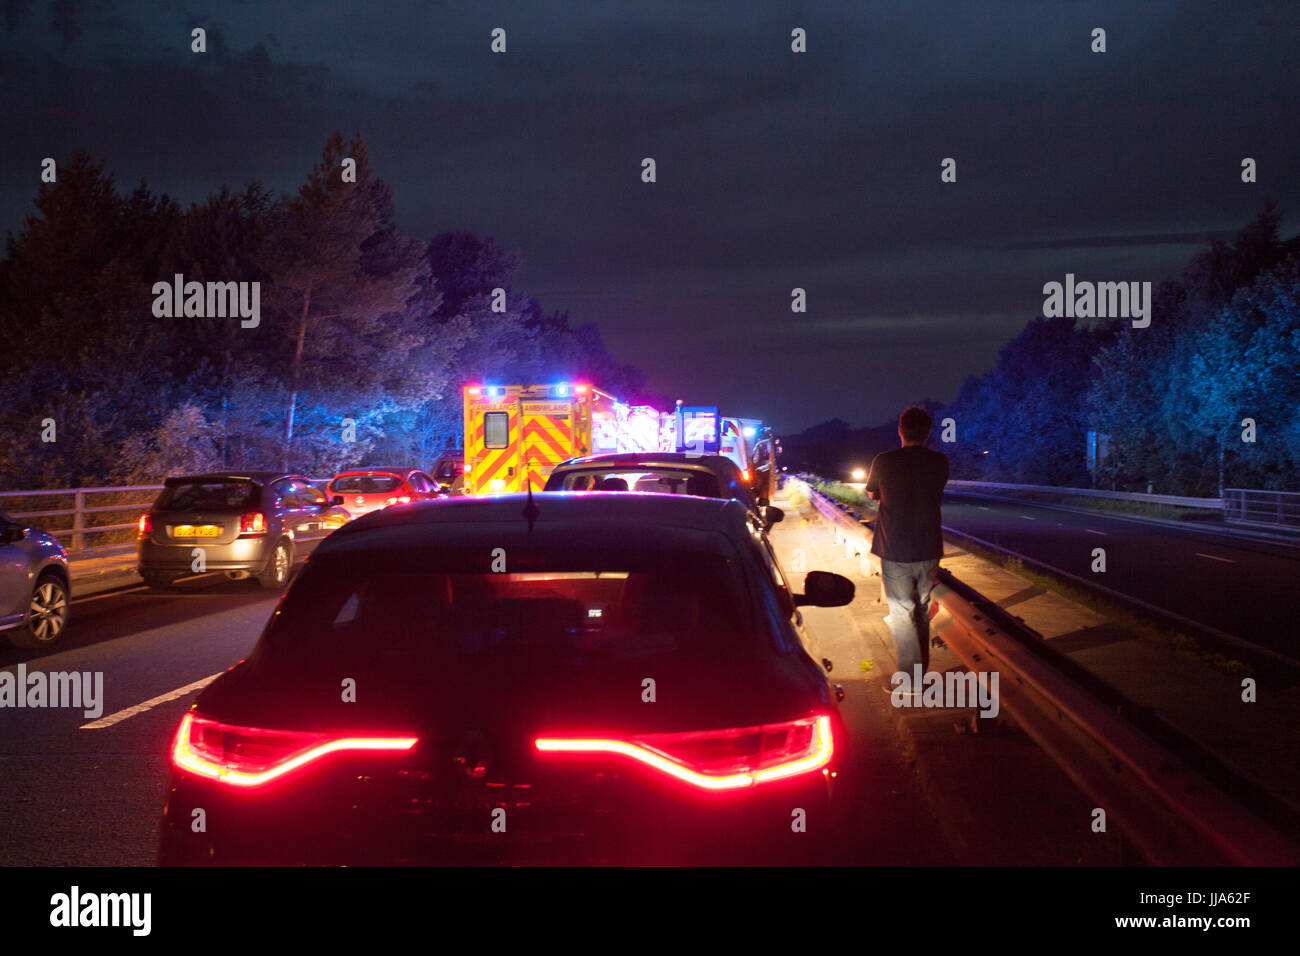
<point x="859" y="474"/>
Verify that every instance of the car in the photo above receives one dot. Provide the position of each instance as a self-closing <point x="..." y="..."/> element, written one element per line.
<point x="364" y="490"/>
<point x="600" y="678"/>
<point x="248" y="524"/>
<point x="682" y="473"/>
<point x="35" y="593"/>
<point x="449" y="471"/>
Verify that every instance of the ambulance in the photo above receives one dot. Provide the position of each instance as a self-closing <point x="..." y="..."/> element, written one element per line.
<point x="516" y="434"/>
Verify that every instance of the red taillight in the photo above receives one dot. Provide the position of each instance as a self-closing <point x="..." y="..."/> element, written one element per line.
<point x="744" y="473"/>
<point x="145" y="524"/>
<point x="252" y="522"/>
<point x="719" y="759"/>
<point x="250" y="756"/>
<point x="399" y="500"/>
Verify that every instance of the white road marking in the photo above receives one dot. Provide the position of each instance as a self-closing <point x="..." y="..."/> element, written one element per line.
<point x="153" y="702"/>
<point x="982" y="508"/>
<point x="1090" y="531"/>
<point x="1215" y="558"/>
<point x="1027" y="518"/>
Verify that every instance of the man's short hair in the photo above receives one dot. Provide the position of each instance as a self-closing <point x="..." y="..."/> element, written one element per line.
<point x="915" y="424"/>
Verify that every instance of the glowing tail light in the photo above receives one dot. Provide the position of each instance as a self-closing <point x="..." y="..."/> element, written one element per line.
<point x="145" y="524"/>
<point x="400" y="500"/>
<point x="745" y="474"/>
<point x="719" y="759"/>
<point x="252" y="522"/>
<point x="251" y="756"/>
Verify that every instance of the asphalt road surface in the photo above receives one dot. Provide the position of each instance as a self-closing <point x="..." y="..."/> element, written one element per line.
<point x="81" y="790"/>
<point x="1247" y="588"/>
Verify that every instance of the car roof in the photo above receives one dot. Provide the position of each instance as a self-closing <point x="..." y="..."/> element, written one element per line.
<point x="600" y="519"/>
<point x="379" y="470"/>
<point x="651" y="459"/>
<point x="261" y="477"/>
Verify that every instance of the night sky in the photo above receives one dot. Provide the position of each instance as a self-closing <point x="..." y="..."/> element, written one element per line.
<point x="775" y="169"/>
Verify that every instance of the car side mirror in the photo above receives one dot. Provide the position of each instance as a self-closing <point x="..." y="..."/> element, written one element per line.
<point x="825" y="589"/>
<point x="336" y="500"/>
<point x="771" y="515"/>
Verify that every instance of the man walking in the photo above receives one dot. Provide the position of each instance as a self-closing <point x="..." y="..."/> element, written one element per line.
<point x="908" y="482"/>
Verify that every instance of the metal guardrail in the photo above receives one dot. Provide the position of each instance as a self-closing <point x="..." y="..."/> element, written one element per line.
<point x="1175" y="801"/>
<point x="80" y="511"/>
<point x="1254" y="507"/>
<point x="1209" y="504"/>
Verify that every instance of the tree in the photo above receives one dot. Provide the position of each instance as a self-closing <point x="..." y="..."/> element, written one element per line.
<point x="345" y="278"/>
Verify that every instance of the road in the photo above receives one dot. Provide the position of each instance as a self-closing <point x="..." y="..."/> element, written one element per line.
<point x="915" y="792"/>
<point x="1243" y="587"/>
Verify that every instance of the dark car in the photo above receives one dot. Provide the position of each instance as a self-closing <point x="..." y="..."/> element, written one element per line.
<point x="679" y="473"/>
<point x="364" y="490"/>
<point x="568" y="679"/>
<point x="255" y="523"/>
<point x="34" y="592"/>
<point x="449" y="471"/>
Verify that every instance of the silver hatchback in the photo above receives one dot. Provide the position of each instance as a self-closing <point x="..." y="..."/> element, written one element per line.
<point x="34" y="591"/>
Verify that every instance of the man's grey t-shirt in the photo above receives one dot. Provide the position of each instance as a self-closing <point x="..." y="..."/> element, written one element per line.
<point x="909" y="484"/>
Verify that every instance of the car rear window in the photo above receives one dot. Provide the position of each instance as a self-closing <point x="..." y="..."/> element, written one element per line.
<point x="664" y="481"/>
<point x="211" y="495"/>
<point x="558" y="607"/>
<point x="366" y="484"/>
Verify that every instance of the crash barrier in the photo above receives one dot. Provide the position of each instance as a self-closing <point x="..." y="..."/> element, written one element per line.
<point x="1247" y="506"/>
<point x="84" y="536"/>
<point x="1210" y="504"/>
<point x="1175" y="802"/>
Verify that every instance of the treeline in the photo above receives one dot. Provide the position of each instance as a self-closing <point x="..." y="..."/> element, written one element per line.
<point x="1207" y="396"/>
<point x="364" y="337"/>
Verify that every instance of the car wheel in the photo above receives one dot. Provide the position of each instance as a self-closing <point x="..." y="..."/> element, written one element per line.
<point x="158" y="580"/>
<point x="47" y="615"/>
<point x="276" y="574"/>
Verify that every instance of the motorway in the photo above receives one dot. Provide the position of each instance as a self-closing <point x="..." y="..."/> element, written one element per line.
<point x="1241" y="586"/>
<point x="915" y="793"/>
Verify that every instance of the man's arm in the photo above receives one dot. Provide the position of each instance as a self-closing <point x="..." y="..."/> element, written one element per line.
<point x="873" y="481"/>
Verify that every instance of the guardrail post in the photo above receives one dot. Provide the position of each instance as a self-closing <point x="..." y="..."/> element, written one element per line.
<point x="77" y="519"/>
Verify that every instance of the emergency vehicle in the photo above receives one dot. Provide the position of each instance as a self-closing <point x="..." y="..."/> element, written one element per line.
<point x="515" y="434"/>
<point x="700" y="429"/>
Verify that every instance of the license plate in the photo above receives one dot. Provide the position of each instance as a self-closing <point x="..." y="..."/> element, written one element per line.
<point x="195" y="531"/>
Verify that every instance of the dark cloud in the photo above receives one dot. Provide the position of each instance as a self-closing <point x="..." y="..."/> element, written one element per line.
<point x="16" y="14"/>
<point x="65" y="20"/>
<point x="1102" y="242"/>
<point x="775" y="170"/>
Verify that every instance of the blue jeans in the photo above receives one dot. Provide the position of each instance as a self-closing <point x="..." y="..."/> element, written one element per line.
<point x="907" y="588"/>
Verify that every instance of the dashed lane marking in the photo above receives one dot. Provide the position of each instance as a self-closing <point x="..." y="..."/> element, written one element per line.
<point x="149" y="704"/>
